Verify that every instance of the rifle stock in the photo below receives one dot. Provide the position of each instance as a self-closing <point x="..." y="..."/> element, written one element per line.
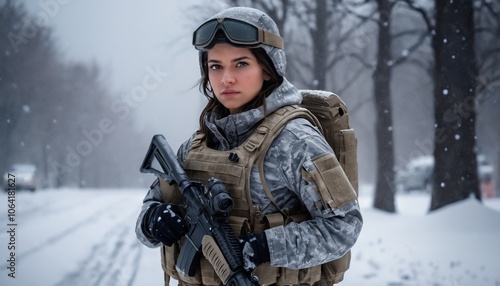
<point x="206" y="214"/>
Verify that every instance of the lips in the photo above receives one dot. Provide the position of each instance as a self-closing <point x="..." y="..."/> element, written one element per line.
<point x="229" y="92"/>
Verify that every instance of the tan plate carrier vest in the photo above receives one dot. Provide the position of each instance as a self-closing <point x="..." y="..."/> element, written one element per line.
<point x="203" y="163"/>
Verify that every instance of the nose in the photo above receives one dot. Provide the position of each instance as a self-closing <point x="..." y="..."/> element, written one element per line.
<point x="228" y="78"/>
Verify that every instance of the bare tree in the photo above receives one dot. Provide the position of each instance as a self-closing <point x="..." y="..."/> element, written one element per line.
<point x="384" y="189"/>
<point x="386" y="61"/>
<point x="26" y="59"/>
<point x="51" y="112"/>
<point x="455" y="168"/>
<point x="328" y="37"/>
<point x="315" y="17"/>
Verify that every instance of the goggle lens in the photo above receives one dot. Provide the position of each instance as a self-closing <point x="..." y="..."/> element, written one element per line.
<point x="204" y="34"/>
<point x="242" y="32"/>
<point x="237" y="32"/>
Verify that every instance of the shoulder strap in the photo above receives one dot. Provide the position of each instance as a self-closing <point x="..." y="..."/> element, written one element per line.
<point x="271" y="126"/>
<point x="274" y="124"/>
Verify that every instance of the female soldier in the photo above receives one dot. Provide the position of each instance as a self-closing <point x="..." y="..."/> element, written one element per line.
<point x="287" y="227"/>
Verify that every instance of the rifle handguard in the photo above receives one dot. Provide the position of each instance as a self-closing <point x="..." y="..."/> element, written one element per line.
<point x="214" y="255"/>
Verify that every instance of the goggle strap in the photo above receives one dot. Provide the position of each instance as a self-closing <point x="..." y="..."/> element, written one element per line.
<point x="270" y="39"/>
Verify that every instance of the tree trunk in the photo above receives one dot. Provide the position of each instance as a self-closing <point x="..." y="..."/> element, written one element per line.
<point x="455" y="168"/>
<point x="320" y="45"/>
<point x="384" y="190"/>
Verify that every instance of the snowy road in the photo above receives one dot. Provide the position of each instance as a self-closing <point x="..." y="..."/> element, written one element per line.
<point x="86" y="237"/>
<point x="71" y="237"/>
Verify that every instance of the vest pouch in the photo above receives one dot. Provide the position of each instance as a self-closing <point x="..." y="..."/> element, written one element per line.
<point x="240" y="225"/>
<point x="169" y="257"/>
<point x="267" y="274"/>
<point x="348" y="156"/>
<point x="288" y="277"/>
<point x="307" y="276"/>
<point x="310" y="276"/>
<point x="334" y="270"/>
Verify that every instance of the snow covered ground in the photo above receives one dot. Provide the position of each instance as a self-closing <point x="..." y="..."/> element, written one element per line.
<point x="86" y="237"/>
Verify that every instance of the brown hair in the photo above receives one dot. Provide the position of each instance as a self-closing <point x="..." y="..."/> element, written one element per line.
<point x="214" y="104"/>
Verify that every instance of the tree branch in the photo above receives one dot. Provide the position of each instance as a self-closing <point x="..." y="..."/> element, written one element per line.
<point x="347" y="56"/>
<point x="421" y="64"/>
<point x="422" y="12"/>
<point x="411" y="49"/>
<point x="405" y="33"/>
<point x="364" y="18"/>
<point x="351" y="81"/>
<point x="491" y="9"/>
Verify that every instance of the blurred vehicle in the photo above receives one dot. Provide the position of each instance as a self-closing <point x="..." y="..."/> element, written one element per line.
<point x="485" y="173"/>
<point x="25" y="177"/>
<point x="417" y="176"/>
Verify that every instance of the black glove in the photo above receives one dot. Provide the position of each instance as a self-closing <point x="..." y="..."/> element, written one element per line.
<point x="163" y="223"/>
<point x="255" y="250"/>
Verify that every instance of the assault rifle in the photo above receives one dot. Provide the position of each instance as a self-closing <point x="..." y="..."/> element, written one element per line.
<point x="207" y="209"/>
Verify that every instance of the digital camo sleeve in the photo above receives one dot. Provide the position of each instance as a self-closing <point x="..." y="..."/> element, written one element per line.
<point x="332" y="229"/>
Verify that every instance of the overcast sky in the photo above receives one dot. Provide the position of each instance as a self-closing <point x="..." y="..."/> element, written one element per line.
<point x="129" y="39"/>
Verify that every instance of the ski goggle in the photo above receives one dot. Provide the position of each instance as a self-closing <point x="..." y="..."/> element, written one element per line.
<point x="237" y="32"/>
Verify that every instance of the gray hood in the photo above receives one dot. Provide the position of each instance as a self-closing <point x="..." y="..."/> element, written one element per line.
<point x="231" y="131"/>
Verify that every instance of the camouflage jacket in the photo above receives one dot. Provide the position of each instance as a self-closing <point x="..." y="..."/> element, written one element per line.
<point x="328" y="235"/>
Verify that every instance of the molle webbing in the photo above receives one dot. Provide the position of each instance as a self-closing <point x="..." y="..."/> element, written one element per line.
<point x="203" y="162"/>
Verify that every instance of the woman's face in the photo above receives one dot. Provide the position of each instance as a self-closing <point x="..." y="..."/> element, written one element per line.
<point x="235" y="75"/>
